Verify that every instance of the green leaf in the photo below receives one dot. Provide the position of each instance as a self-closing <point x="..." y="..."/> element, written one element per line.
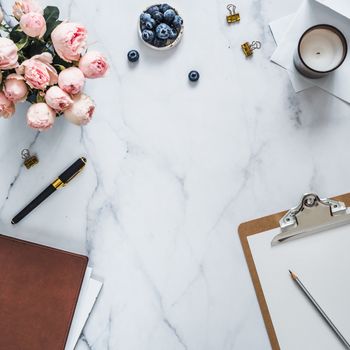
<point x="51" y="14"/>
<point x="40" y="98"/>
<point x="50" y="27"/>
<point x="59" y="61"/>
<point x="22" y="43"/>
<point x="59" y="67"/>
<point x="34" y="47"/>
<point x="17" y="34"/>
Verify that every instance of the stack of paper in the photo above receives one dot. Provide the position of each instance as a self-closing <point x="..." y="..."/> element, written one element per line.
<point x="89" y="292"/>
<point x="288" y="30"/>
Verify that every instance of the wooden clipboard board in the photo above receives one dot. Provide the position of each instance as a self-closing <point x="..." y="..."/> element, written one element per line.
<point x="254" y="227"/>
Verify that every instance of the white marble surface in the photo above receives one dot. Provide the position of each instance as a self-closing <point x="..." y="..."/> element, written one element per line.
<point x="173" y="169"/>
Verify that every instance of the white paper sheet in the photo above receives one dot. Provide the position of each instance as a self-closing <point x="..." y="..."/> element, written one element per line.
<point x="311" y="13"/>
<point x="278" y="30"/>
<point x="322" y="262"/>
<point x="89" y="292"/>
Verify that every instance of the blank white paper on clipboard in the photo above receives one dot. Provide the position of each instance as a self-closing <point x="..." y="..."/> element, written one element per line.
<point x="322" y="262"/>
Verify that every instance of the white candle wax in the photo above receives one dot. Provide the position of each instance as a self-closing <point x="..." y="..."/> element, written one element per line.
<point x="321" y="49"/>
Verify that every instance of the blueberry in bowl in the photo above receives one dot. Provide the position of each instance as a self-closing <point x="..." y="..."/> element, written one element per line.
<point x="160" y="27"/>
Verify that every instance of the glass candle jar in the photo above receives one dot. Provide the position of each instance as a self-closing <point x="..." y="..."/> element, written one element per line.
<point x="321" y="50"/>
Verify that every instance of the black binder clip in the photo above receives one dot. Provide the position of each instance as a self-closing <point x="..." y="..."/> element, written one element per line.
<point x="29" y="160"/>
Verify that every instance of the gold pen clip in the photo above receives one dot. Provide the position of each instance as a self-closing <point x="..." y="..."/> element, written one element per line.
<point x="73" y="176"/>
<point x="78" y="172"/>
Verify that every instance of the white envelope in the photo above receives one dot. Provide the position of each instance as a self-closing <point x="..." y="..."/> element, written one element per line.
<point x="278" y="29"/>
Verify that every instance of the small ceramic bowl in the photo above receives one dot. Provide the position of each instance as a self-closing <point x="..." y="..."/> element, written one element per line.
<point x="172" y="42"/>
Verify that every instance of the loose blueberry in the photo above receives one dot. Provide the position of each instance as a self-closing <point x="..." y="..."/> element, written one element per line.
<point x="178" y="21"/>
<point x="158" y="16"/>
<point x="162" y="31"/>
<point x="145" y="17"/>
<point x="164" y="7"/>
<point x="193" y="75"/>
<point x="148" y="35"/>
<point x="150" y="24"/>
<point x="173" y="33"/>
<point x="133" y="56"/>
<point x="169" y="15"/>
<point x="153" y="9"/>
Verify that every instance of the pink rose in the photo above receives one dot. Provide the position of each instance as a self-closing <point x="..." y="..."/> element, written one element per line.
<point x="81" y="111"/>
<point x="58" y="99"/>
<point x="15" y="89"/>
<point x="40" y="116"/>
<point x="33" y="24"/>
<point x="38" y="72"/>
<point x="69" y="40"/>
<point x="8" y="54"/>
<point x="71" y="80"/>
<point x="7" y="108"/>
<point x="22" y="7"/>
<point x="93" y="64"/>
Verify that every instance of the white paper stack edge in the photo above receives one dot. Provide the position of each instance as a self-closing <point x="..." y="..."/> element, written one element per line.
<point x="89" y="292"/>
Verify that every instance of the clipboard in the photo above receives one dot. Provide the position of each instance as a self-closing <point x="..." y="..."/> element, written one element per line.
<point x="310" y="217"/>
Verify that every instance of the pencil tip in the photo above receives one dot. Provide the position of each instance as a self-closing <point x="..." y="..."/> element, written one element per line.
<point x="293" y="275"/>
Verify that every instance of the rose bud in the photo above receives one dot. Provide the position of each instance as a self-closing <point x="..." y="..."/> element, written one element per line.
<point x="81" y="111"/>
<point x="40" y="116"/>
<point x="57" y="99"/>
<point x="38" y="72"/>
<point x="15" y="89"/>
<point x="22" y="7"/>
<point x="69" y="40"/>
<point x="7" y="108"/>
<point x="1" y="16"/>
<point x="93" y="64"/>
<point x="8" y="54"/>
<point x="33" y="24"/>
<point x="71" y="80"/>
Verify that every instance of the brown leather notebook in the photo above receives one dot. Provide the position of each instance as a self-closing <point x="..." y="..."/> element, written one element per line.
<point x="39" y="289"/>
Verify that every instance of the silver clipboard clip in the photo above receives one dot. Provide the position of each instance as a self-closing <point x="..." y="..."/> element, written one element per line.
<point x="310" y="216"/>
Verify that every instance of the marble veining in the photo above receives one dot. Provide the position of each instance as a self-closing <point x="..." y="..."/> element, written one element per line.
<point x="173" y="169"/>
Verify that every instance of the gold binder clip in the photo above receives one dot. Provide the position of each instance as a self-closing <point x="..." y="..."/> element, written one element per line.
<point x="233" y="16"/>
<point x="249" y="48"/>
<point x="29" y="160"/>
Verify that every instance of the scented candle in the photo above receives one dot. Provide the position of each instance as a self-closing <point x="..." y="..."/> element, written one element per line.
<point x="321" y="50"/>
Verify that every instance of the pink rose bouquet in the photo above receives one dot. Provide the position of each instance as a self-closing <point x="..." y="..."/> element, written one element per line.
<point x="46" y="61"/>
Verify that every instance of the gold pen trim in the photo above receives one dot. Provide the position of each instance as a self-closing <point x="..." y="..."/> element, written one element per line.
<point x="58" y="183"/>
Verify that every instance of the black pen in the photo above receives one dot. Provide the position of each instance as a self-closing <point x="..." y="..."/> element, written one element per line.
<point x="61" y="181"/>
